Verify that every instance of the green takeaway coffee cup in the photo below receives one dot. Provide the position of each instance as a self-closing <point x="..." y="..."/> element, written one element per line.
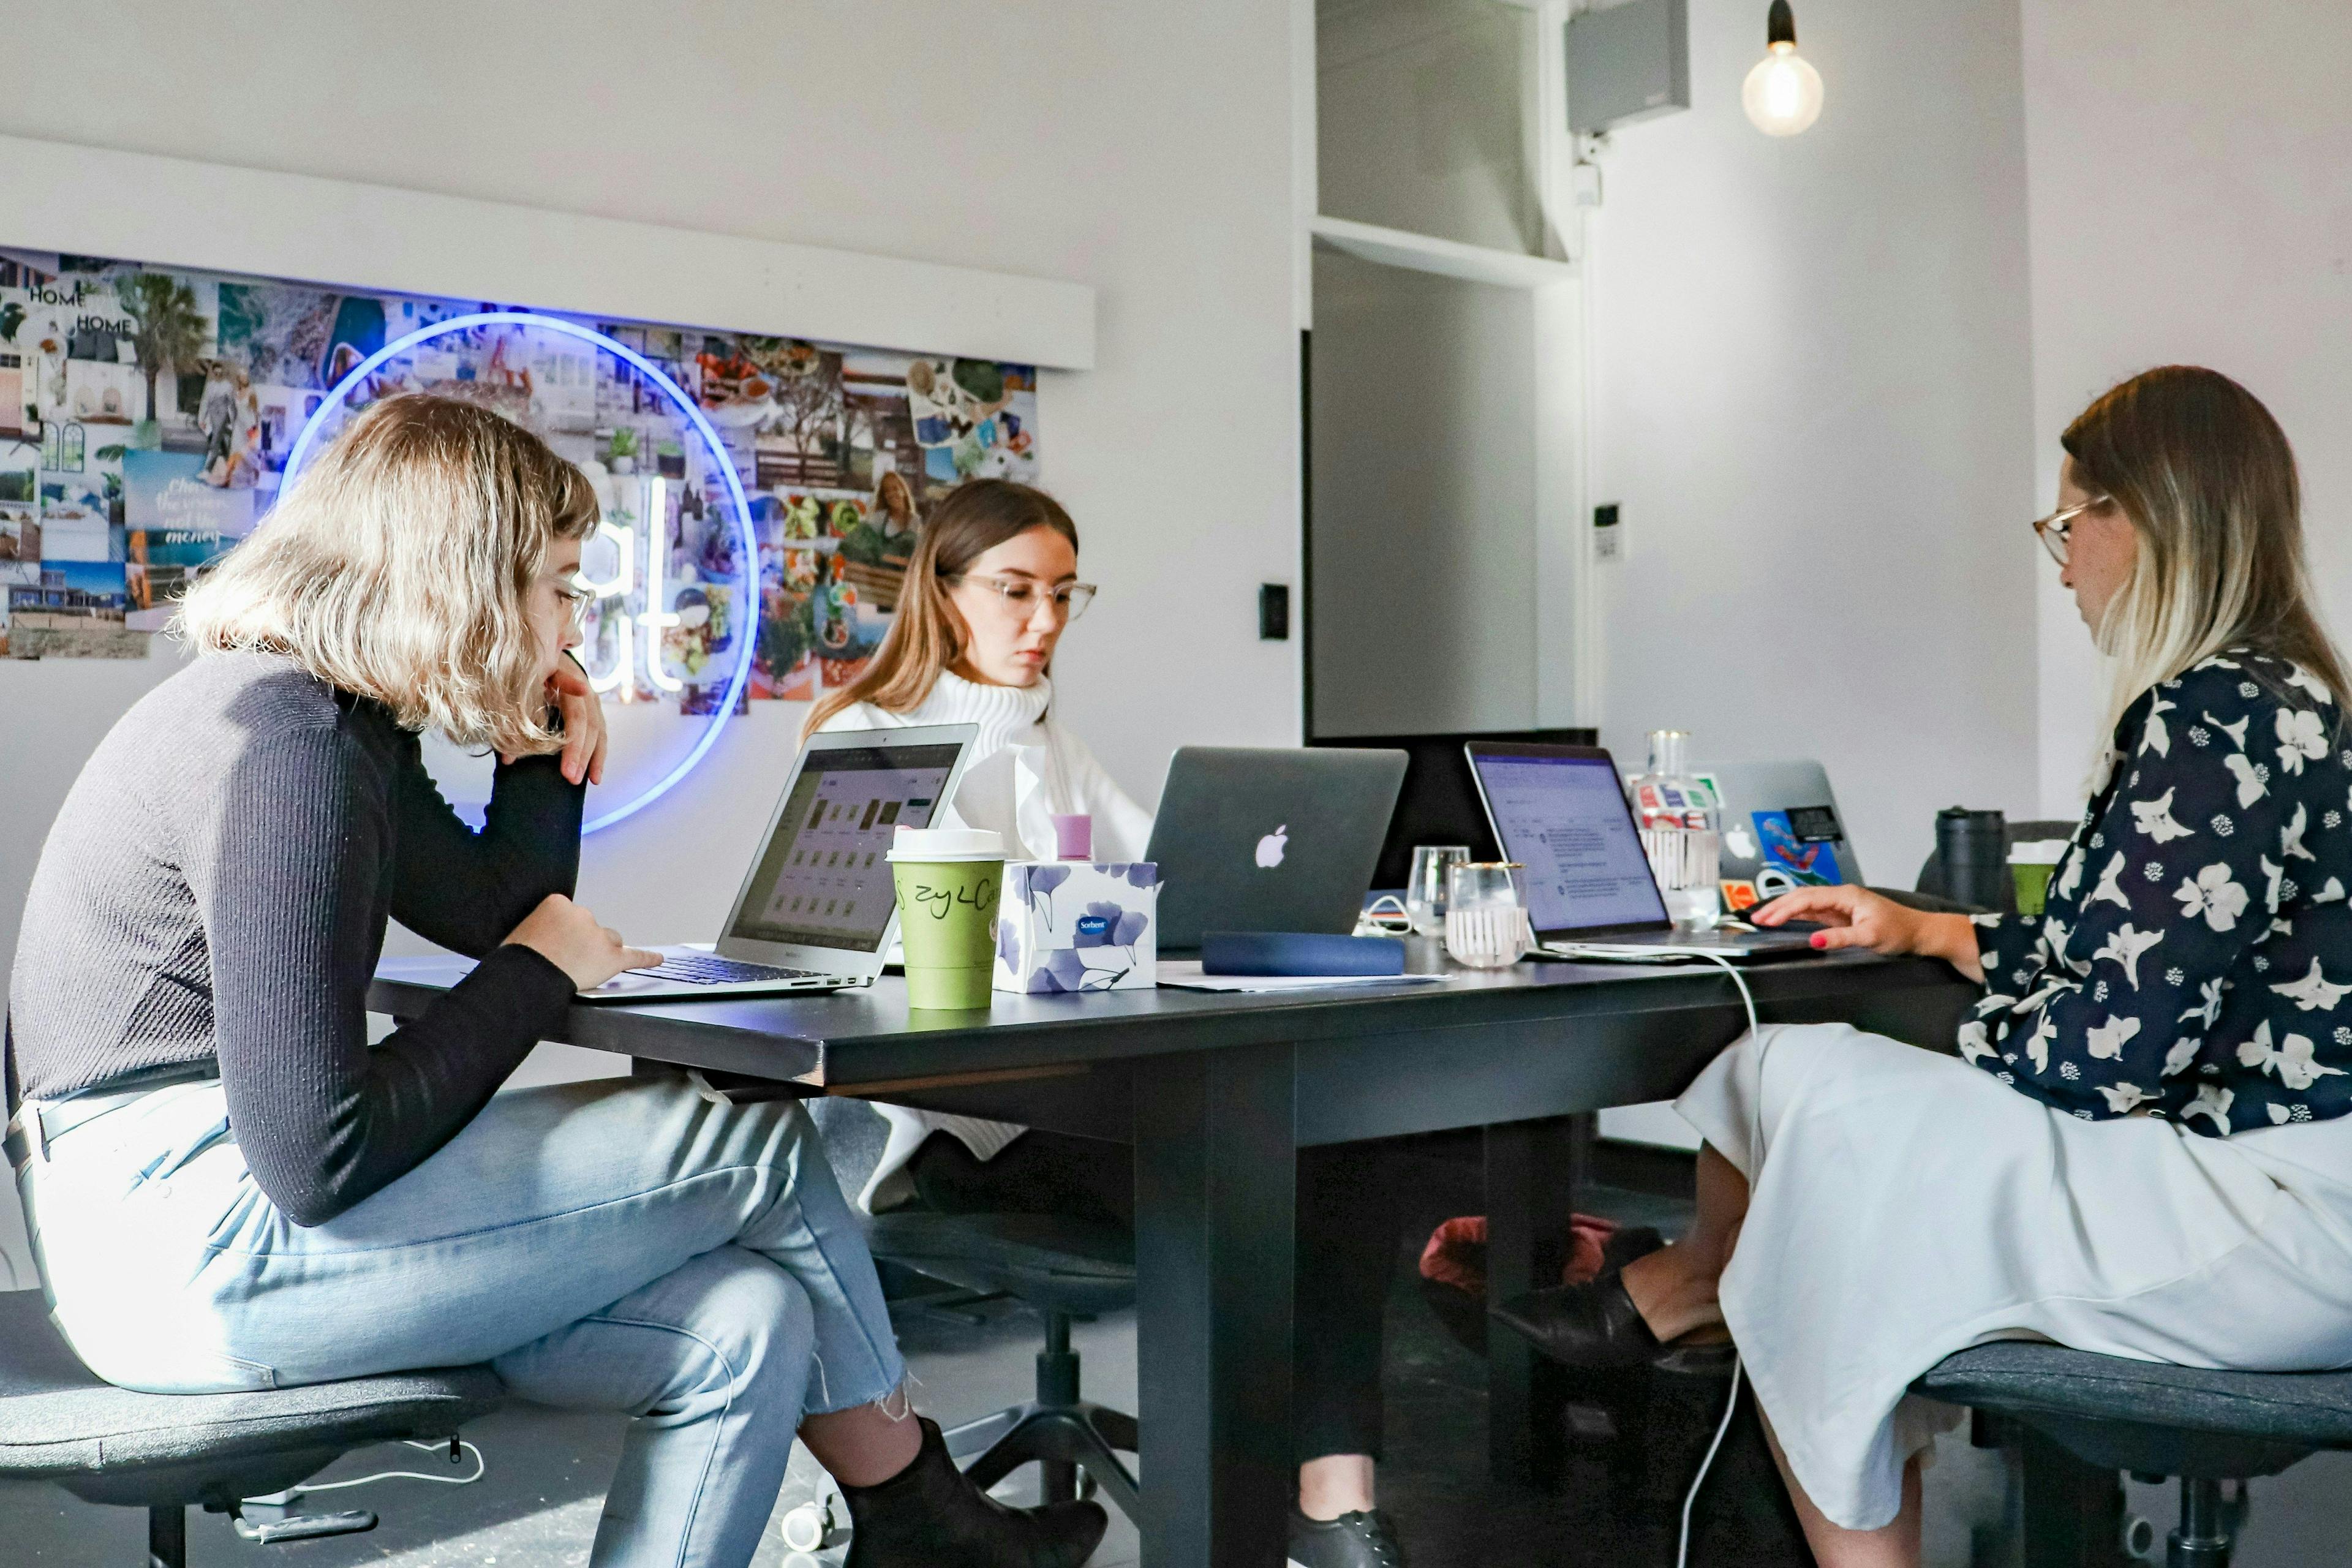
<point x="2030" y="865"/>
<point x="948" y="879"/>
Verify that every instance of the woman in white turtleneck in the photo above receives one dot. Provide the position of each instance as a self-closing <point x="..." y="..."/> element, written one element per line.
<point x="992" y="585"/>
<point x="991" y="588"/>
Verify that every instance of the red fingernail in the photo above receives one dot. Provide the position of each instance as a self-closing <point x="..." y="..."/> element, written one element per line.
<point x="1820" y="939"/>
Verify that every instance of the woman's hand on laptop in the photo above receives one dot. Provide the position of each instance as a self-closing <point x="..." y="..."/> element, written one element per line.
<point x="569" y="937"/>
<point x="1856" y="917"/>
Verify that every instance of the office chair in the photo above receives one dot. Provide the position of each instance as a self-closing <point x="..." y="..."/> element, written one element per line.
<point x="2088" y="1417"/>
<point x="1069" y="1270"/>
<point x="167" y="1453"/>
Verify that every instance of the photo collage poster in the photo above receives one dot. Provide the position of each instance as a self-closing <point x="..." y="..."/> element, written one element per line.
<point x="146" y="415"/>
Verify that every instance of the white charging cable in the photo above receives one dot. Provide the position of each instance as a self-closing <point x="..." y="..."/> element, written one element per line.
<point x="1756" y="1149"/>
<point x="481" y="1468"/>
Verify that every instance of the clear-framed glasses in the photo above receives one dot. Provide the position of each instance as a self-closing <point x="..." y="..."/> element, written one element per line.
<point x="576" y="601"/>
<point x="1019" y="596"/>
<point x="2053" y="530"/>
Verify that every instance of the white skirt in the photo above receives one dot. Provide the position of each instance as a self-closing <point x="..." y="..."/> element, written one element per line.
<point x="1906" y="1206"/>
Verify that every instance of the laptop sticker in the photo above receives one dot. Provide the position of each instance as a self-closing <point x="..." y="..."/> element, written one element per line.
<point x="1796" y="849"/>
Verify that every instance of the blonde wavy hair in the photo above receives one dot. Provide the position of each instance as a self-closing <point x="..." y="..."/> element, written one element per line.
<point x="399" y="567"/>
<point x="2206" y="477"/>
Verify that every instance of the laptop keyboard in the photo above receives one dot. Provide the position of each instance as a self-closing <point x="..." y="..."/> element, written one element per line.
<point x="703" y="969"/>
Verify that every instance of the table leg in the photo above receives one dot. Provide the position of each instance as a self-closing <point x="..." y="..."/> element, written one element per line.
<point x="1215" y="1200"/>
<point x="2074" y="1511"/>
<point x="1533" y="1170"/>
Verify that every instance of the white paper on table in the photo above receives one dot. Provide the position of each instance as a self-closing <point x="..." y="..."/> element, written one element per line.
<point x="1185" y="975"/>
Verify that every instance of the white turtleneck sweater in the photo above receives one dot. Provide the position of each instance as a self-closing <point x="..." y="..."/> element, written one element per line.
<point x="1023" y="770"/>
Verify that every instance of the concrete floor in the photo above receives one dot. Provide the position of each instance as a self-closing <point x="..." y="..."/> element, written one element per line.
<point x="537" y="1505"/>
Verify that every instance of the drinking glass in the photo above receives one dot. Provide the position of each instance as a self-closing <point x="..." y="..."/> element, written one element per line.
<point x="1485" y="915"/>
<point x="1425" y="893"/>
<point x="1686" y="863"/>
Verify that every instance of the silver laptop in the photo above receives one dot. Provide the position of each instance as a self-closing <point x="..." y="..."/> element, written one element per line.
<point x="1782" y="827"/>
<point x="1269" y="840"/>
<point x="1561" y="812"/>
<point x="817" y="910"/>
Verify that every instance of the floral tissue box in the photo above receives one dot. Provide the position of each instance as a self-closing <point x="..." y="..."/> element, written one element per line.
<point x="1073" y="926"/>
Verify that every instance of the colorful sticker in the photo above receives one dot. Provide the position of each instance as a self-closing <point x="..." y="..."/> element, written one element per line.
<point x="1807" y="863"/>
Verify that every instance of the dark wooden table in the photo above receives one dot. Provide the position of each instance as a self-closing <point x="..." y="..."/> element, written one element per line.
<point x="1218" y="1092"/>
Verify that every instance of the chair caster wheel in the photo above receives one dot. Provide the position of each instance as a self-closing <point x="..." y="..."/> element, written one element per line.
<point x="810" y="1526"/>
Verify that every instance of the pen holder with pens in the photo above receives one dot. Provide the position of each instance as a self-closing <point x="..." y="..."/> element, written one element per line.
<point x="1079" y="925"/>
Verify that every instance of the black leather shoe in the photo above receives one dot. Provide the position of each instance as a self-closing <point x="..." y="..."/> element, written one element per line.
<point x="929" y="1515"/>
<point x="1595" y="1325"/>
<point x="1351" y="1541"/>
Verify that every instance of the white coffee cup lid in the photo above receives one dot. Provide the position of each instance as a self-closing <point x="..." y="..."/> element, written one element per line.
<point x="2037" y="852"/>
<point x="946" y="844"/>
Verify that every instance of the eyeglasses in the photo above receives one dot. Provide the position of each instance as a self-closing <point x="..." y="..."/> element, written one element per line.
<point x="576" y="601"/>
<point x="2053" y="530"/>
<point x="1019" y="596"/>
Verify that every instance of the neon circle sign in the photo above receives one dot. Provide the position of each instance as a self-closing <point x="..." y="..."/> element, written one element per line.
<point x="656" y="615"/>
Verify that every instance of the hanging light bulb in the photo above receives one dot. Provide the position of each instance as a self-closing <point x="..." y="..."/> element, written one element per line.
<point x="1783" y="94"/>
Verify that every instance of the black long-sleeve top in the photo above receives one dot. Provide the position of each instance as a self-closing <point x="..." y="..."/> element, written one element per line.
<point x="216" y="888"/>
<point x="2195" y="958"/>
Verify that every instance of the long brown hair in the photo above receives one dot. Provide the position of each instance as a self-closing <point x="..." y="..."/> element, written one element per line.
<point x="2208" y="481"/>
<point x="927" y="635"/>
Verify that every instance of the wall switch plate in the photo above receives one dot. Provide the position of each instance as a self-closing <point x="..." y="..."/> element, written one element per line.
<point x="1608" y="533"/>
<point x="1274" y="612"/>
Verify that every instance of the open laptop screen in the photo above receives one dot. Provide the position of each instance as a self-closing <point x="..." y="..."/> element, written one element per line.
<point x="822" y="880"/>
<point x="1564" y="818"/>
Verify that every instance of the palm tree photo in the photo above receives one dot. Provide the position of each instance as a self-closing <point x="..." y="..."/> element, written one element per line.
<point x="167" y="330"/>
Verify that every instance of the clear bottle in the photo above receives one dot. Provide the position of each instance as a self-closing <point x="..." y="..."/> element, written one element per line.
<point x="1681" y="826"/>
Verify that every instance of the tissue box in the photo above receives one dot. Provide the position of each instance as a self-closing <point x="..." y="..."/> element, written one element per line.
<point x="1066" y="925"/>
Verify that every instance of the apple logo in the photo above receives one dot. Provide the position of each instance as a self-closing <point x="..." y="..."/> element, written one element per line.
<point x="1270" y="847"/>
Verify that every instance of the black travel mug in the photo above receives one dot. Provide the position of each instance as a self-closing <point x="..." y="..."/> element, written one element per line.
<point x="1974" y="847"/>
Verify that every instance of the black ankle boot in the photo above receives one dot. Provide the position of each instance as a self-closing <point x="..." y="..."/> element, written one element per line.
<point x="930" y="1516"/>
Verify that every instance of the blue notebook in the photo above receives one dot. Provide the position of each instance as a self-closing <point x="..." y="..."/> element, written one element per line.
<point x="1287" y="952"/>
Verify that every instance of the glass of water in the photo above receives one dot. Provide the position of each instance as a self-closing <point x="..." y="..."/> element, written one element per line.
<point x="1426" y="894"/>
<point x="1486" y="915"/>
<point x="1686" y="863"/>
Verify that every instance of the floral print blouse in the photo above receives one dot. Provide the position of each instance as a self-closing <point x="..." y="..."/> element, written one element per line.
<point x="2195" y="958"/>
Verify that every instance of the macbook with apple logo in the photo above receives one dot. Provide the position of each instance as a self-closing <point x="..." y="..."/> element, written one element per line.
<point x="1269" y="840"/>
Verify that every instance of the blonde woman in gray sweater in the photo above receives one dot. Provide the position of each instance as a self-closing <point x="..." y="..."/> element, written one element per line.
<point x="228" y="1187"/>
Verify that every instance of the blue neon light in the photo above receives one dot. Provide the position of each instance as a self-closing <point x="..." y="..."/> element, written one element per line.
<point x="747" y="545"/>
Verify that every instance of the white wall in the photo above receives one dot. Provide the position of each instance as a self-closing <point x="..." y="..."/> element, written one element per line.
<point x="1810" y="395"/>
<point x="1418" y="115"/>
<point x="2188" y="189"/>
<point x="1145" y="151"/>
<point x="1424" y="502"/>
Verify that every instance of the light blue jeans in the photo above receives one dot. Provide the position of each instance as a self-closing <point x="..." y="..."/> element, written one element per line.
<point x="625" y="1245"/>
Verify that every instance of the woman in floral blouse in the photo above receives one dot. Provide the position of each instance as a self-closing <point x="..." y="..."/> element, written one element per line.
<point x="2171" y="1179"/>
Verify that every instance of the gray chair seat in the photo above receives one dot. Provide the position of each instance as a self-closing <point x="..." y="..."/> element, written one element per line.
<point x="58" y="1422"/>
<point x="1058" y="1265"/>
<point x="2085" y="1417"/>
<point x="2313" y="1409"/>
<point x="2151" y="1417"/>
